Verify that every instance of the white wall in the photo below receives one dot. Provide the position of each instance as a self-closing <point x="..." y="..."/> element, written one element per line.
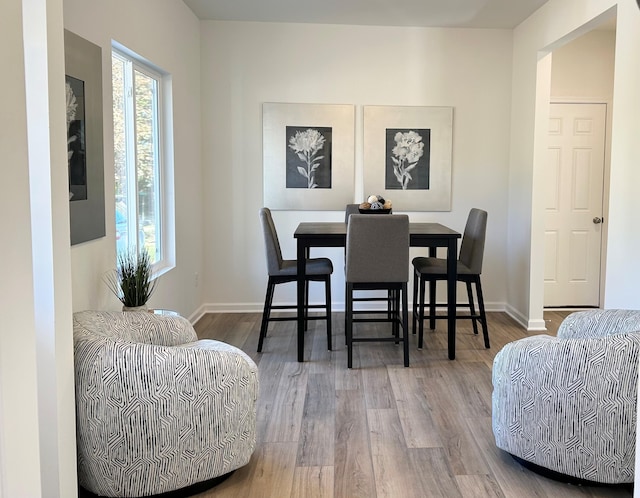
<point x="246" y="64"/>
<point x="552" y="25"/>
<point x="166" y="33"/>
<point x="583" y="68"/>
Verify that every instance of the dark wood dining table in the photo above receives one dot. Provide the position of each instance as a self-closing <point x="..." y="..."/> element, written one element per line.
<point x="334" y="234"/>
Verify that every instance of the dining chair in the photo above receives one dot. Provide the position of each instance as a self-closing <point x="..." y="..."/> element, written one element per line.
<point x="349" y="210"/>
<point x="390" y="299"/>
<point x="469" y="268"/>
<point x="377" y="259"/>
<point x="285" y="270"/>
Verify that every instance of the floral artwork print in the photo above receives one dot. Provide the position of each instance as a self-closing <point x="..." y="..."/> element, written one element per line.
<point x="76" y="153"/>
<point x="308" y="157"/>
<point x="407" y="165"/>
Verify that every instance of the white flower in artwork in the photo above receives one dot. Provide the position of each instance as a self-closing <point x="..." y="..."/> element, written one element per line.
<point x="72" y="106"/>
<point x="408" y="151"/>
<point x="306" y="144"/>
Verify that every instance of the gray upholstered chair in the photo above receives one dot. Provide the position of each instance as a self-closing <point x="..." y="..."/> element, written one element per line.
<point x="469" y="267"/>
<point x="377" y="259"/>
<point x="390" y="298"/>
<point x="567" y="404"/>
<point x="158" y="410"/>
<point x="349" y="210"/>
<point x="286" y="270"/>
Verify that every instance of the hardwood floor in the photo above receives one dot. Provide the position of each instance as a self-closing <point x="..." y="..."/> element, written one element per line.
<point x="378" y="430"/>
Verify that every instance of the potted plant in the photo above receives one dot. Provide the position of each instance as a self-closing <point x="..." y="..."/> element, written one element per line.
<point x="131" y="281"/>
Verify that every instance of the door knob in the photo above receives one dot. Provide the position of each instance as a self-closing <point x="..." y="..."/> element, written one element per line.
<point x="597" y="220"/>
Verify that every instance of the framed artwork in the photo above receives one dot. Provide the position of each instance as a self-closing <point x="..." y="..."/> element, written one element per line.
<point x="308" y="156"/>
<point x="83" y="83"/>
<point x="407" y="156"/>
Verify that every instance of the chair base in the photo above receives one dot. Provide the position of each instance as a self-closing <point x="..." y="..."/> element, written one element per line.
<point x="268" y="306"/>
<point x="565" y="478"/>
<point x="396" y="314"/>
<point x="185" y="492"/>
<point x="419" y="305"/>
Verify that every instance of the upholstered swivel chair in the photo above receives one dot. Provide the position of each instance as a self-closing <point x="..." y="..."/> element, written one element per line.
<point x="566" y="405"/>
<point x="286" y="270"/>
<point x="158" y="410"/>
<point x="469" y="268"/>
<point x="377" y="259"/>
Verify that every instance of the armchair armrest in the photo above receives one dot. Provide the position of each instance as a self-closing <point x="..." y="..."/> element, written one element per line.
<point x="599" y="323"/>
<point x="140" y="327"/>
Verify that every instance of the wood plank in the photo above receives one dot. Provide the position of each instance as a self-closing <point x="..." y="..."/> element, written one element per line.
<point x="313" y="482"/>
<point x="393" y="476"/>
<point x="318" y="421"/>
<point x="479" y="486"/>
<point x="283" y="417"/>
<point x="414" y="410"/>
<point x="353" y="465"/>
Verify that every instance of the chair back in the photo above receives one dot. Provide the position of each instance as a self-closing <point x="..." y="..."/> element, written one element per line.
<point x="472" y="247"/>
<point x="377" y="248"/>
<point x="271" y="242"/>
<point x="349" y="210"/>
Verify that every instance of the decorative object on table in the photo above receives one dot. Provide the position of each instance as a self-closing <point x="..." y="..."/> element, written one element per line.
<point x="413" y="160"/>
<point x="566" y="406"/>
<point x="158" y="410"/>
<point x="308" y="155"/>
<point x="375" y="204"/>
<point x="132" y="281"/>
<point x="83" y="69"/>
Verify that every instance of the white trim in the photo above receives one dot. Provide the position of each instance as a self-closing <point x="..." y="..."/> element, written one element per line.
<point x="336" y="307"/>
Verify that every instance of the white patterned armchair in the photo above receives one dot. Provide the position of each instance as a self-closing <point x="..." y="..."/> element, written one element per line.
<point x="568" y="403"/>
<point x="158" y="410"/>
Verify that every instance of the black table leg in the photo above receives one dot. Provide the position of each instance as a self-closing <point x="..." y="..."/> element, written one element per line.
<point x="301" y="259"/>
<point x="452" y="256"/>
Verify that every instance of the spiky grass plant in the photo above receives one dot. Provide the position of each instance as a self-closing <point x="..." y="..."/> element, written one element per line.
<point x="131" y="281"/>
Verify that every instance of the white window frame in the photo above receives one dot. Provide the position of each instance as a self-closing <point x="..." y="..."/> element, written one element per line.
<point x="164" y="200"/>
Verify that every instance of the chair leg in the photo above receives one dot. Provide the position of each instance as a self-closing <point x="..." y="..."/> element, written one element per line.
<point x="306" y="305"/>
<point x="472" y="308"/>
<point x="346" y="315"/>
<point x="405" y="324"/>
<point x="483" y="315"/>
<point x="432" y="304"/>
<point x="266" y="313"/>
<point x="421" y="317"/>
<point x="414" y="320"/>
<point x="327" y="297"/>
<point x="396" y="314"/>
<point x="349" y="324"/>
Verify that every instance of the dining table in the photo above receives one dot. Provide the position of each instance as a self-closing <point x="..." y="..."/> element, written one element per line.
<point x="421" y="234"/>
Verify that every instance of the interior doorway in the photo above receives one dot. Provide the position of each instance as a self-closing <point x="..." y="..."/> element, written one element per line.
<point x="577" y="168"/>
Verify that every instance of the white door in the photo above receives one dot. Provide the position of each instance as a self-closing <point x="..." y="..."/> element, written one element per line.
<point x="573" y="221"/>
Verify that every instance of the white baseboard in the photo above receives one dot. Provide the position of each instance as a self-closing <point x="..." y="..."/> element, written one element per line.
<point x="530" y="325"/>
<point x="335" y="307"/>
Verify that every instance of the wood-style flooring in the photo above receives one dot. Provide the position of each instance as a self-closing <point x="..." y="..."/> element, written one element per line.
<point x="379" y="429"/>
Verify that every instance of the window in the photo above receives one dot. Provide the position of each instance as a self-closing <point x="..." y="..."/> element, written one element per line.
<point x="140" y="168"/>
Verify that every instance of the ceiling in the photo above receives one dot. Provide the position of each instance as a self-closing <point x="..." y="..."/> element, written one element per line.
<point x="420" y="13"/>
